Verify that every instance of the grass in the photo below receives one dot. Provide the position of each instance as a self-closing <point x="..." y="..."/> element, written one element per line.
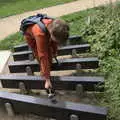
<point x="11" y="41"/>
<point x="12" y="7"/>
<point x="101" y="28"/>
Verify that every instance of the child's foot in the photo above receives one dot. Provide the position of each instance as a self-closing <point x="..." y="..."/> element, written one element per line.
<point x="51" y="95"/>
<point x="50" y="92"/>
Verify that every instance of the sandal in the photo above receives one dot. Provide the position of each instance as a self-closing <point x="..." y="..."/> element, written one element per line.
<point x="50" y="92"/>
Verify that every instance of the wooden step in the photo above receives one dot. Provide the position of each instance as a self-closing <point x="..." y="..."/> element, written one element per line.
<point x="66" y="64"/>
<point x="24" y="47"/>
<point x="59" y="82"/>
<point x="67" y="50"/>
<point x="25" y="104"/>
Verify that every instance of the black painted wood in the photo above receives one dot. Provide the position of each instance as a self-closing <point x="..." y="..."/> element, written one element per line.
<point x="24" y="55"/>
<point x="59" y="82"/>
<point x="75" y="37"/>
<point x="27" y="104"/>
<point x="24" y="47"/>
<point x="66" y="64"/>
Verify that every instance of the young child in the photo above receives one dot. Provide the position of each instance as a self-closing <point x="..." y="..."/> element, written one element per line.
<point x="44" y="45"/>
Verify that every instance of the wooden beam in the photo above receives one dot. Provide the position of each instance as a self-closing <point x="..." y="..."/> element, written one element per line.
<point x="44" y="107"/>
<point x="24" y="47"/>
<point x="66" y="64"/>
<point x="67" y="50"/>
<point x="59" y="82"/>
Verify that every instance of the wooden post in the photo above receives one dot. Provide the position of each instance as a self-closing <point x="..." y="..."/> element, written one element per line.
<point x="9" y="110"/>
<point x="78" y="68"/>
<point x="79" y="90"/>
<point x="22" y="88"/>
<point x="31" y="57"/>
<point x="74" y="117"/>
<point x="74" y="53"/>
<point x="29" y="70"/>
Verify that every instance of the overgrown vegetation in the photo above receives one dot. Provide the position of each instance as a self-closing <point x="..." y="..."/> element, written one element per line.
<point x="12" y="7"/>
<point x="101" y="28"/>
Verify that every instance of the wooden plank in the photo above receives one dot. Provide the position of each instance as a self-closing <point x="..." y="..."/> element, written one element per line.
<point x="24" y="47"/>
<point x="75" y="37"/>
<point x="24" y="55"/>
<point x="66" y="64"/>
<point x="61" y="110"/>
<point x="59" y="82"/>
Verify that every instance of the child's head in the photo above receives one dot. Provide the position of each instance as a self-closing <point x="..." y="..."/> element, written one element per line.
<point x="59" y="31"/>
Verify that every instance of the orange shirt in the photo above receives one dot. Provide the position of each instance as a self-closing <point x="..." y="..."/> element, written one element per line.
<point x="43" y="47"/>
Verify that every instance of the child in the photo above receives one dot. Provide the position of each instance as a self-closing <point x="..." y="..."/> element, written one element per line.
<point x="45" y="44"/>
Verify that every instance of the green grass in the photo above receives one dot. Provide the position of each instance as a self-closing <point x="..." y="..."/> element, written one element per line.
<point x="12" y="7"/>
<point x="101" y="28"/>
<point x="11" y="41"/>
